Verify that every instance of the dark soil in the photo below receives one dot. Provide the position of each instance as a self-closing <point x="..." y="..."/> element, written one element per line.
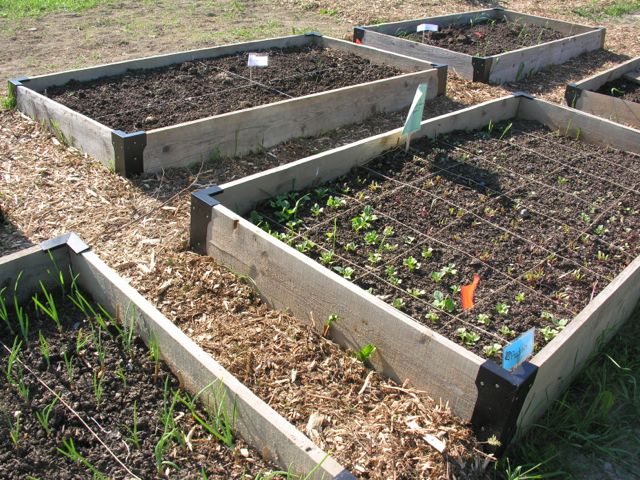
<point x="130" y="379"/>
<point x="154" y="98"/>
<point x="545" y="221"/>
<point x="485" y="38"/>
<point x="621" y="88"/>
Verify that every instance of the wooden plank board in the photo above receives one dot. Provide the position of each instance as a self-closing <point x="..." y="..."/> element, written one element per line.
<point x="615" y="109"/>
<point x="39" y="83"/>
<point x="79" y="131"/>
<point x="517" y="64"/>
<point x="240" y="132"/>
<point x="458" y="62"/>
<point x="406" y="350"/>
<point x="563" y="358"/>
<point x="567" y="28"/>
<point x="594" y="82"/>
<point x="577" y="124"/>
<point x="632" y="76"/>
<point x="256" y="422"/>
<point x="243" y="194"/>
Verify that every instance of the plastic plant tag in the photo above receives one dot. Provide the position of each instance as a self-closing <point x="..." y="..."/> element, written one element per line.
<point x="518" y="351"/>
<point x="466" y="293"/>
<point x="258" y="60"/>
<point x="427" y="27"/>
<point x="412" y="124"/>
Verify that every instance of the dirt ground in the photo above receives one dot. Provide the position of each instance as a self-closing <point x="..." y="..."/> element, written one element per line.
<point x="140" y="227"/>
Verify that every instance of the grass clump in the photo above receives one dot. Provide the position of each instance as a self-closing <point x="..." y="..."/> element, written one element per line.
<point x="15" y="10"/>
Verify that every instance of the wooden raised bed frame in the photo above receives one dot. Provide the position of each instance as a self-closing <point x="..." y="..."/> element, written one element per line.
<point x="494" y="400"/>
<point x="256" y="422"/>
<point x="233" y="133"/>
<point x="582" y="95"/>
<point x="505" y="67"/>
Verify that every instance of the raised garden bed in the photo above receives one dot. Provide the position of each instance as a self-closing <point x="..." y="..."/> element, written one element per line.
<point x="458" y="204"/>
<point x="81" y="391"/>
<point x="612" y="94"/>
<point x="174" y="110"/>
<point x="490" y="46"/>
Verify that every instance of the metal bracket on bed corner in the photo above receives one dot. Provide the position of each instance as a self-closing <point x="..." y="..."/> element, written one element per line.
<point x="481" y="68"/>
<point x="572" y="94"/>
<point x="524" y="94"/>
<point x="313" y="34"/>
<point x="442" y="69"/>
<point x="358" y="34"/>
<point x="202" y="201"/>
<point x="70" y="240"/>
<point x="501" y="395"/>
<point x="128" y="150"/>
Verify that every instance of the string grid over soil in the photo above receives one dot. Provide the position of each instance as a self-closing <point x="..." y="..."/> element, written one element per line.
<point x="486" y="37"/>
<point x="95" y="388"/>
<point x="545" y="221"/>
<point x="159" y="97"/>
<point x="622" y="88"/>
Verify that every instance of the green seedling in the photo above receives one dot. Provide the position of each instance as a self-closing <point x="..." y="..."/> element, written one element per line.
<point x="484" y="319"/>
<point x="13" y="361"/>
<point x="601" y="256"/>
<point x="467" y="337"/>
<point x="328" y="323"/>
<point x="321" y="192"/>
<point x="506" y="331"/>
<point x="50" y="308"/>
<point x="305" y="246"/>
<point x="44" y="348"/>
<point x="336" y="202"/>
<point x="256" y="218"/>
<point x="14" y="432"/>
<point x="416" y="292"/>
<point x="505" y="131"/>
<point x="154" y="353"/>
<point x="600" y="230"/>
<point x="218" y="422"/>
<point x="68" y="364"/>
<point x="23" y="389"/>
<point x="437" y="276"/>
<point x="616" y="92"/>
<point x="492" y="350"/>
<point x="443" y="302"/>
<point x="133" y="436"/>
<point x="562" y="180"/>
<point x="4" y="314"/>
<point x="374" y="258"/>
<point x="44" y="415"/>
<point x="351" y="247"/>
<point x="455" y="289"/>
<point x="128" y="331"/>
<point x="346" y="272"/>
<point x="364" y="219"/>
<point x="98" y="388"/>
<point x="69" y="450"/>
<point x="585" y="217"/>
<point x="365" y="352"/>
<point x="327" y="257"/>
<point x="82" y="341"/>
<point x="371" y="237"/>
<point x="427" y="253"/>
<point x="411" y="263"/>
<point x="432" y="317"/>
<point x="398" y="303"/>
<point x="502" y="308"/>
<point x="316" y="210"/>
<point x="519" y="297"/>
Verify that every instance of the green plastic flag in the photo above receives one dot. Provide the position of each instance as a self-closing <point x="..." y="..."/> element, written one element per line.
<point x="412" y="124"/>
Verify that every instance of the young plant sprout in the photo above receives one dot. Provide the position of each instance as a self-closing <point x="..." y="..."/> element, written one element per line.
<point x="68" y="364"/>
<point x="81" y="342"/>
<point x="492" y="350"/>
<point x="371" y="237"/>
<point x="411" y="263"/>
<point x="44" y="348"/>
<point x="519" y="297"/>
<point x="346" y="272"/>
<point x="398" y="303"/>
<point x="432" y="317"/>
<point x="305" y="246"/>
<point x="134" y="437"/>
<point x="468" y="337"/>
<point x="374" y="258"/>
<point x="600" y="230"/>
<point x="316" y="210"/>
<point x="416" y="293"/>
<point x="502" y="308"/>
<point x="321" y="192"/>
<point x="328" y="322"/>
<point x="43" y="416"/>
<point x="12" y="361"/>
<point x="443" y="302"/>
<point x="365" y="352"/>
<point x="427" y="253"/>
<point x="335" y="202"/>
<point x="154" y="353"/>
<point x="602" y="256"/>
<point x="4" y="314"/>
<point x="585" y="217"/>
<point x="14" y="432"/>
<point x="351" y="247"/>
<point x="506" y="331"/>
<point x="50" y="308"/>
<point x="455" y="289"/>
<point x="69" y="450"/>
<point x="483" y="319"/>
<point x="364" y="219"/>
<point x="326" y="257"/>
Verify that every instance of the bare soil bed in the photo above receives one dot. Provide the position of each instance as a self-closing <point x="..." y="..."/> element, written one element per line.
<point x="485" y="38"/>
<point x="90" y="386"/>
<point x="154" y="98"/>
<point x="621" y="88"/>
<point x="545" y="221"/>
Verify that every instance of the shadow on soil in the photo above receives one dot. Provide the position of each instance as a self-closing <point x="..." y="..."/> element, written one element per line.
<point x="572" y="71"/>
<point x="11" y="238"/>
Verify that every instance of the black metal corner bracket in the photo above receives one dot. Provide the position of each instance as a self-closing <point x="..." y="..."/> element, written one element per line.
<point x="70" y="240"/>
<point x="12" y="89"/>
<point x="358" y="34"/>
<point x="313" y="34"/>
<point x="481" y="68"/>
<point x="442" y="69"/>
<point x="128" y="150"/>
<point x="501" y="395"/>
<point x="572" y="94"/>
<point x="202" y="201"/>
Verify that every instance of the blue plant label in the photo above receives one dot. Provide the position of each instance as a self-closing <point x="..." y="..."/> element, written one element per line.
<point x="414" y="118"/>
<point x="427" y="27"/>
<point x="518" y="351"/>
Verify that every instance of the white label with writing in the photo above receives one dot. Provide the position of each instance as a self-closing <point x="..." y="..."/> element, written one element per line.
<point x="258" y="60"/>
<point x="427" y="27"/>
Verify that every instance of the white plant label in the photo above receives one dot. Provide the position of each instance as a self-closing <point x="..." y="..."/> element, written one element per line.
<point x="427" y="27"/>
<point x="258" y="60"/>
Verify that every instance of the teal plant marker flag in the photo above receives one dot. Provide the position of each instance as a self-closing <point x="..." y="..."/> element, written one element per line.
<point x="412" y="124"/>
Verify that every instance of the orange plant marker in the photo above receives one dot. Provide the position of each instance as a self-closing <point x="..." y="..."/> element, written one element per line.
<point x="466" y="293"/>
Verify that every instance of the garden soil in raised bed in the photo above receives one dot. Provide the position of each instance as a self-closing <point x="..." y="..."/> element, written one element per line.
<point x="129" y="379"/>
<point x="545" y="221"/>
<point x="485" y="38"/>
<point x="622" y="88"/>
<point x="159" y="97"/>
